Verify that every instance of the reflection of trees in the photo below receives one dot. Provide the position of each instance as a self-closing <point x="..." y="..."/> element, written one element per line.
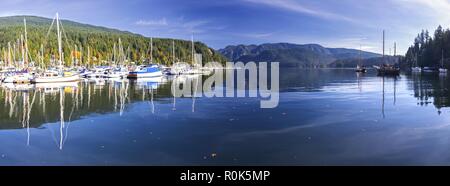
<point x="430" y="88"/>
<point x="32" y="106"/>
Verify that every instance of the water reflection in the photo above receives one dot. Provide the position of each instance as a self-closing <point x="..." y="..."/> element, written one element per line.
<point x="28" y="106"/>
<point x="430" y="89"/>
<point x="325" y="116"/>
<point x="394" y="82"/>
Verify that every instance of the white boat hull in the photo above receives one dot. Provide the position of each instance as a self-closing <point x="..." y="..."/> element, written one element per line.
<point x="117" y="75"/>
<point x="96" y="75"/>
<point x="56" y="79"/>
<point x="145" y="75"/>
<point x="443" y="70"/>
<point x="416" y="69"/>
<point x="17" y="79"/>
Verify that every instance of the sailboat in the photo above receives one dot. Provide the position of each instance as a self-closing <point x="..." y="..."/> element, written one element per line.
<point x="146" y="71"/>
<point x="118" y="70"/>
<point x="360" y="68"/>
<point x="57" y="75"/>
<point x="442" y="69"/>
<point x="195" y="68"/>
<point x="386" y="69"/>
<point x="22" y="75"/>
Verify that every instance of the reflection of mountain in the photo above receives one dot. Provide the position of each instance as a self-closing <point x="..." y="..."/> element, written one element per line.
<point x="80" y="99"/>
<point x="292" y="79"/>
<point x="431" y="88"/>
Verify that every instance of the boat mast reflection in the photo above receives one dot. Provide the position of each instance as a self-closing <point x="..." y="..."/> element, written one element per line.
<point x="53" y="106"/>
<point x="383" y="79"/>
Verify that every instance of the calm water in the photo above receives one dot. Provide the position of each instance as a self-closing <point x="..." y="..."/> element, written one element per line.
<point x="325" y="117"/>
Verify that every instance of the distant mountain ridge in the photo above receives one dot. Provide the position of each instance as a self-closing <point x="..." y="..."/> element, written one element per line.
<point x="293" y="54"/>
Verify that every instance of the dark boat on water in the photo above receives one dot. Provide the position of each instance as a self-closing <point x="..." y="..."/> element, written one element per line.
<point x="361" y="69"/>
<point x="387" y="69"/>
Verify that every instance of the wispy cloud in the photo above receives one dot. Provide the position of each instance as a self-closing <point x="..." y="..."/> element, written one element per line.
<point x="438" y="10"/>
<point x="256" y="35"/>
<point x="180" y="25"/>
<point x="195" y="26"/>
<point x="297" y="7"/>
<point x="161" y="22"/>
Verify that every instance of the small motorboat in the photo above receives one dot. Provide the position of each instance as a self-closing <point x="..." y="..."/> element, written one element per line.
<point x="360" y="69"/>
<point x="98" y="72"/>
<point x="429" y="69"/>
<point x="416" y="69"/>
<point x="146" y="71"/>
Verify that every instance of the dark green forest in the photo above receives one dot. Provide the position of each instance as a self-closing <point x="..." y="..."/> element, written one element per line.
<point x="428" y="49"/>
<point x="77" y="38"/>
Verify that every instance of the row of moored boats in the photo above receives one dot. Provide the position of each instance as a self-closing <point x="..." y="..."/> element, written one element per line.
<point x="22" y="71"/>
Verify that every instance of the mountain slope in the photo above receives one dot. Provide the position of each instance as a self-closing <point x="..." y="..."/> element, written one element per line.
<point x="292" y="54"/>
<point x="99" y="39"/>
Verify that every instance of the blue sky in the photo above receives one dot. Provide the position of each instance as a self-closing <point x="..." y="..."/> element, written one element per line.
<point x="218" y="23"/>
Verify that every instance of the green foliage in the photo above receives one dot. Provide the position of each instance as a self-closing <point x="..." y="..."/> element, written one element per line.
<point x="428" y="51"/>
<point x="99" y="40"/>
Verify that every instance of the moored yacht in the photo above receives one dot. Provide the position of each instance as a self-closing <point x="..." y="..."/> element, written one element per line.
<point x="17" y="77"/>
<point x="55" y="77"/>
<point x="145" y="71"/>
<point x="118" y="72"/>
<point x="416" y="69"/>
<point x="58" y="75"/>
<point x="361" y="69"/>
<point x="387" y="69"/>
<point x="98" y="72"/>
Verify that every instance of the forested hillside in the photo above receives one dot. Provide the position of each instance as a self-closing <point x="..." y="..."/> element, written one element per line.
<point x="293" y="55"/>
<point x="428" y="50"/>
<point x="100" y="41"/>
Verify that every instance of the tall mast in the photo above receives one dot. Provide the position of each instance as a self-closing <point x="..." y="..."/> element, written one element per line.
<point x="360" y="49"/>
<point x="5" y="57"/>
<point x="395" y="52"/>
<point x="26" y="42"/>
<point x="120" y="55"/>
<point x="9" y="54"/>
<point x="59" y="40"/>
<point x="173" y="51"/>
<point x="81" y="55"/>
<point x="114" y="54"/>
<point x="151" y="50"/>
<point x="89" y="57"/>
<point x="42" y="55"/>
<point x="192" y="41"/>
<point x="14" y="50"/>
<point x="383" y="45"/>
<point x="22" y="47"/>
<point x="128" y="53"/>
<point x="73" y="55"/>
